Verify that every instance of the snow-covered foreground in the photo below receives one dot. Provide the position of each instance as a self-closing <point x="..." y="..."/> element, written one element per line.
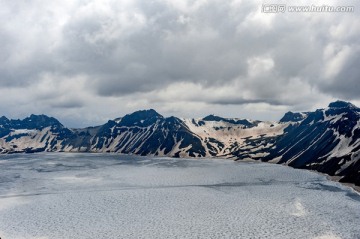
<point x="63" y="195"/>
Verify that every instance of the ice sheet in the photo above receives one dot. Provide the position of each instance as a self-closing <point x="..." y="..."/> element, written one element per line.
<point x="63" y="195"/>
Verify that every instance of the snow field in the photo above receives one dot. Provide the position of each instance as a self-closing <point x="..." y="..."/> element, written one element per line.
<point x="64" y="195"/>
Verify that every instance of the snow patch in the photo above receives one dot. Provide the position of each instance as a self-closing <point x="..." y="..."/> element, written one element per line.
<point x="299" y="209"/>
<point x="23" y="131"/>
<point x="8" y="203"/>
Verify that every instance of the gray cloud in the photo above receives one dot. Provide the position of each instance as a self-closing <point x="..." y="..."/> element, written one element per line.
<point x="241" y="101"/>
<point x="67" y="104"/>
<point x="93" y="56"/>
<point x="346" y="83"/>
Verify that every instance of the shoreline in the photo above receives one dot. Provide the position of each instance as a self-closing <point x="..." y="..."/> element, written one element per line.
<point x="337" y="178"/>
<point x="328" y="177"/>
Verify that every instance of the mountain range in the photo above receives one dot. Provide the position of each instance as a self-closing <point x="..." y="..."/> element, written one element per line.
<point x="326" y="140"/>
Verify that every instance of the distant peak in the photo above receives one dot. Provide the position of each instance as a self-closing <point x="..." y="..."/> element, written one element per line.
<point x="341" y="104"/>
<point x="41" y="121"/>
<point x="42" y="116"/>
<point x="232" y="121"/>
<point x="2" y="118"/>
<point x="293" y="117"/>
<point x="213" y="117"/>
<point x="4" y="121"/>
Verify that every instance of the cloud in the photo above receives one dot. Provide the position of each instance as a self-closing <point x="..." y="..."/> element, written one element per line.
<point x="105" y="58"/>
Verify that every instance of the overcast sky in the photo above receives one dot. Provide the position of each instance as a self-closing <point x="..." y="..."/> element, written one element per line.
<point x="87" y="61"/>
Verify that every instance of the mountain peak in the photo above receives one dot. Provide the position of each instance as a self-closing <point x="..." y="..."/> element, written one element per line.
<point x="141" y="118"/>
<point x="293" y="117"/>
<point x="341" y="104"/>
<point x="144" y="114"/>
<point x="3" y="118"/>
<point x="40" y="122"/>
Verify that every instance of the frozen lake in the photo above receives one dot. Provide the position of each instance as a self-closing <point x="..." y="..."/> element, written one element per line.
<point x="63" y="195"/>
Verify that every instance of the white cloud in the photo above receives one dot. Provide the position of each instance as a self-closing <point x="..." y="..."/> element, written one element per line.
<point x="335" y="57"/>
<point x="259" y="66"/>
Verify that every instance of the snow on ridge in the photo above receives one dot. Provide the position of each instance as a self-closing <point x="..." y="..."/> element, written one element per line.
<point x="233" y="136"/>
<point x="23" y="131"/>
<point x="223" y="131"/>
<point x="29" y="139"/>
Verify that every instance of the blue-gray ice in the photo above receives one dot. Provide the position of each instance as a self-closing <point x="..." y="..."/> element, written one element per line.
<point x="63" y="195"/>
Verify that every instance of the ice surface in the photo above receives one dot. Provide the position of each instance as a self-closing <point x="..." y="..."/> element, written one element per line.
<point x="64" y="195"/>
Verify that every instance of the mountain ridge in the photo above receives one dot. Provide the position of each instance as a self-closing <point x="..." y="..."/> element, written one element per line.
<point x="326" y="140"/>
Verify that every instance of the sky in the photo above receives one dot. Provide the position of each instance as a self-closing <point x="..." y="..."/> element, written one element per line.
<point x="87" y="61"/>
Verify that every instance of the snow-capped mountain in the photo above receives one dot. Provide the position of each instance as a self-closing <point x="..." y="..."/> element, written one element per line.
<point x="36" y="133"/>
<point x="327" y="140"/>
